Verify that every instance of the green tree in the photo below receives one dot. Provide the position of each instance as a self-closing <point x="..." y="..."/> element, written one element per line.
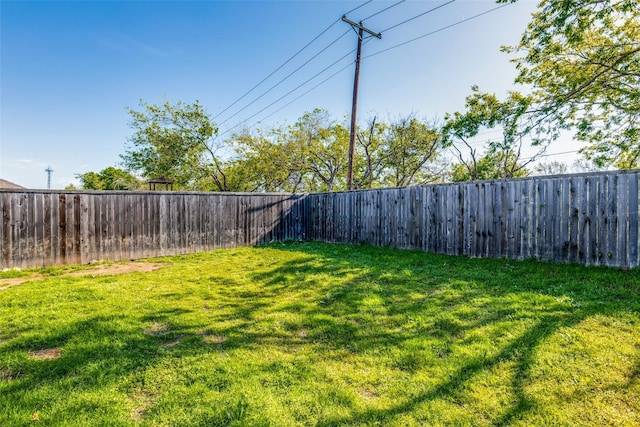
<point x="503" y="155"/>
<point x="403" y="152"/>
<point x="325" y="146"/>
<point x="110" y="178"/>
<point x="489" y="166"/>
<point x="411" y="149"/>
<point x="582" y="59"/>
<point x="177" y="141"/>
<point x="310" y="155"/>
<point x="270" y="159"/>
<point x="369" y="160"/>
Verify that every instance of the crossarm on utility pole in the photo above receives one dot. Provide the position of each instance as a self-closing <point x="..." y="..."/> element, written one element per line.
<point x="360" y="27"/>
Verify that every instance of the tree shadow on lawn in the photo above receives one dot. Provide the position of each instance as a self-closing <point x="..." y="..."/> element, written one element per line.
<point x="95" y="355"/>
<point x="343" y="303"/>
<point x="455" y="301"/>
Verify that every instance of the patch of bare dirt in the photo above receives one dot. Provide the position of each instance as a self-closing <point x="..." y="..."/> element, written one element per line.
<point x="145" y="400"/>
<point x="46" y="354"/>
<point x="131" y="267"/>
<point x="9" y="283"/>
<point x="7" y="374"/>
<point x="368" y="393"/>
<point x="95" y="270"/>
<point x="156" y="329"/>
<point x="214" y="339"/>
<point x="173" y="343"/>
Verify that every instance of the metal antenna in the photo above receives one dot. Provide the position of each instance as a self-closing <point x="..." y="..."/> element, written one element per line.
<point x="48" y="170"/>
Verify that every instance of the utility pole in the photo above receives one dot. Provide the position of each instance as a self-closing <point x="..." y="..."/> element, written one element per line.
<point x="354" y="106"/>
<point x="48" y="170"/>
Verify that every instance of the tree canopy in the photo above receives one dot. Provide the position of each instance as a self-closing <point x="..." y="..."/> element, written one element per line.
<point x="110" y="178"/>
<point x="311" y="155"/>
<point x="502" y="156"/>
<point x="582" y="60"/>
<point x="176" y="141"/>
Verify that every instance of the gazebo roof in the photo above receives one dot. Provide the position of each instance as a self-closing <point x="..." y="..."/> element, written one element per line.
<point x="160" y="180"/>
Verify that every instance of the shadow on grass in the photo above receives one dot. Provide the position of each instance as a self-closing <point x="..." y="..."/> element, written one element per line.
<point x="340" y="301"/>
<point x="484" y="293"/>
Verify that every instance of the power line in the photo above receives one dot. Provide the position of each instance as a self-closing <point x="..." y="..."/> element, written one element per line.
<point x="296" y="70"/>
<point x="288" y="60"/>
<point x="436" y="31"/>
<point x="356" y="8"/>
<point x="477" y="143"/>
<point x="417" y="16"/>
<point x="276" y="70"/>
<point x="340" y="59"/>
<point x="285" y="78"/>
<point x="380" y="11"/>
<point x="290" y="92"/>
<point x="551" y="154"/>
<point x="307" y="92"/>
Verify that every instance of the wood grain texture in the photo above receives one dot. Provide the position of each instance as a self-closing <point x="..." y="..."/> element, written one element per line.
<point x="591" y="219"/>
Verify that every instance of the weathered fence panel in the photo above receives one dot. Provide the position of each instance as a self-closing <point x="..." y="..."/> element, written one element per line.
<point x="42" y="228"/>
<point x="591" y="218"/>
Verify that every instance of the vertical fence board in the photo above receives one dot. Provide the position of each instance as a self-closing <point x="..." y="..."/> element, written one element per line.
<point x="499" y="234"/>
<point x="562" y="233"/>
<point x="594" y="216"/>
<point x="480" y="224"/>
<point x="518" y="226"/>
<point x="525" y="220"/>
<point x="622" y="217"/>
<point x="575" y="190"/>
<point x="449" y="212"/>
<point x="556" y="218"/>
<point x="471" y="209"/>
<point x="612" y="219"/>
<point x="97" y="227"/>
<point x="3" y="218"/>
<point x="491" y="229"/>
<point x="530" y="212"/>
<point x="547" y="215"/>
<point x="584" y="226"/>
<point x="38" y="233"/>
<point x="25" y="230"/>
<point x="602" y="220"/>
<point x="634" y="238"/>
<point x="86" y="229"/>
<point x="438" y="226"/>
<point x="104" y="248"/>
<point x="512" y="220"/>
<point x="13" y="239"/>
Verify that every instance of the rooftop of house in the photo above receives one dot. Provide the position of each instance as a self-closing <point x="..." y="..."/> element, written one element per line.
<point x="8" y="185"/>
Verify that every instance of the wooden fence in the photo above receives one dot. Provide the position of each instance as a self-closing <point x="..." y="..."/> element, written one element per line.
<point x="42" y="228"/>
<point x="590" y="219"/>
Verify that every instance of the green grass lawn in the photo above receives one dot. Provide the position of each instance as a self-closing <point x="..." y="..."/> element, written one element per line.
<point x="324" y="335"/>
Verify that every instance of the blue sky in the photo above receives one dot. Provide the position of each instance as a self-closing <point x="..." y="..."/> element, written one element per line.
<point x="70" y="69"/>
